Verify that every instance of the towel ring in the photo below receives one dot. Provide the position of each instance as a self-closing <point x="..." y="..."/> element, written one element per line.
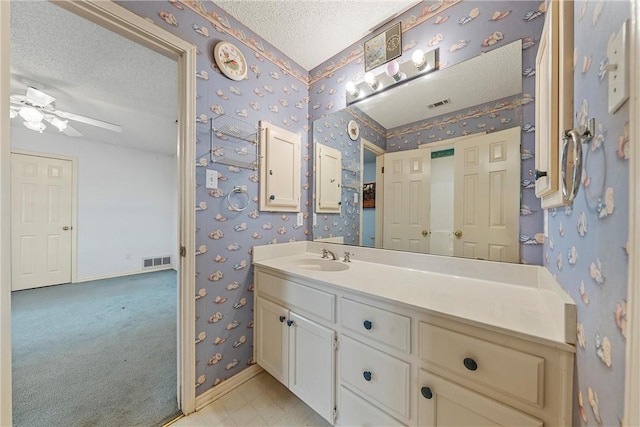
<point x="238" y="189"/>
<point x="571" y="163"/>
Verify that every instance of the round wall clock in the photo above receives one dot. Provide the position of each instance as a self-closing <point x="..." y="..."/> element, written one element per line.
<point x="230" y="60"/>
<point x="353" y="130"/>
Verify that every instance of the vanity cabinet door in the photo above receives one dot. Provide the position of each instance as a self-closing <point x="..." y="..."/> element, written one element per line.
<point x="312" y="364"/>
<point x="444" y="403"/>
<point x="272" y="339"/>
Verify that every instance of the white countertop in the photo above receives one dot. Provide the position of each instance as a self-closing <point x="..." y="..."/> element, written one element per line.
<point x="540" y="311"/>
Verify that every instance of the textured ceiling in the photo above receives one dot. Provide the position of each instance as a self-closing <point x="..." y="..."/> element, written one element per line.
<point x="94" y="72"/>
<point x="312" y="31"/>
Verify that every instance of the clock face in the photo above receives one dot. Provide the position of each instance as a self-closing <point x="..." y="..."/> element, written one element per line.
<point x="230" y="61"/>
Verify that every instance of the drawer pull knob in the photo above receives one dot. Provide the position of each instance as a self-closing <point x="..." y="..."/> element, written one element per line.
<point x="426" y="392"/>
<point x="282" y="319"/>
<point x="367" y="375"/>
<point x="289" y="322"/>
<point x="368" y="325"/>
<point x="470" y="364"/>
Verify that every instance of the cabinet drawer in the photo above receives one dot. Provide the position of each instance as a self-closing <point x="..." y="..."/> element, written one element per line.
<point x="382" y="378"/>
<point x="355" y="411"/>
<point x="442" y="402"/>
<point x="506" y="370"/>
<point x="377" y="324"/>
<point x="310" y="300"/>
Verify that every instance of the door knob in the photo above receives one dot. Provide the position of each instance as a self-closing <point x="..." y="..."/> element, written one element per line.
<point x="425" y="233"/>
<point x="457" y="233"/>
<point x="66" y="227"/>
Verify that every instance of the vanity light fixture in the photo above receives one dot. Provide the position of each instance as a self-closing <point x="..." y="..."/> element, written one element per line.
<point x="352" y="89"/>
<point x="372" y="81"/>
<point x="393" y="71"/>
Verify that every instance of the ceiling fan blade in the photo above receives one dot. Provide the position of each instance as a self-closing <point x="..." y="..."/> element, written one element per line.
<point x="39" y="98"/>
<point x="69" y="131"/>
<point x="88" y="120"/>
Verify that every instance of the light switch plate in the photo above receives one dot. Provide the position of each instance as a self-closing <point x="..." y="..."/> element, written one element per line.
<point x="211" y="180"/>
<point x="617" y="53"/>
<point x="300" y="219"/>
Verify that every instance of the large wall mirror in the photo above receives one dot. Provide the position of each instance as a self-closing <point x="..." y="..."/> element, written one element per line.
<point x="449" y="142"/>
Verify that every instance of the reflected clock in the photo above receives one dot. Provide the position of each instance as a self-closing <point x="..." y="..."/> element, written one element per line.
<point x="230" y="60"/>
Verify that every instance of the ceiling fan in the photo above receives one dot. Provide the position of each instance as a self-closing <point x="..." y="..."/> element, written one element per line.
<point x="36" y="107"/>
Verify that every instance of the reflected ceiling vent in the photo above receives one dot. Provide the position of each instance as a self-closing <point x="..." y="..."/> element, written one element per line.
<point x="439" y="103"/>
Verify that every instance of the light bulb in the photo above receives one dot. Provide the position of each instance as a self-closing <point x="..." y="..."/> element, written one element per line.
<point x="371" y="80"/>
<point x="418" y="59"/>
<point x="352" y="89"/>
<point x="393" y="71"/>
<point x="13" y="113"/>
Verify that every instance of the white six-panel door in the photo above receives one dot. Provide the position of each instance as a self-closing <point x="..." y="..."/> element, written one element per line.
<point x="41" y="203"/>
<point x="407" y="200"/>
<point x="487" y="196"/>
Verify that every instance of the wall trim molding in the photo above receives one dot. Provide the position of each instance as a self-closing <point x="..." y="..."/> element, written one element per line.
<point x="129" y="273"/>
<point x="632" y="373"/>
<point x="227" y="386"/>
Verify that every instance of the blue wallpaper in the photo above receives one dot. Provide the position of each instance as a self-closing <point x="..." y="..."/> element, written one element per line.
<point x="585" y="249"/>
<point x="586" y="245"/>
<point x="276" y="91"/>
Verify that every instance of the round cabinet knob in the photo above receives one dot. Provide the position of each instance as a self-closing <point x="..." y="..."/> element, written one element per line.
<point x="65" y="228"/>
<point x="539" y="174"/>
<point x="367" y="375"/>
<point x="457" y="233"/>
<point x="426" y="392"/>
<point x="272" y="197"/>
<point x="289" y="322"/>
<point x="367" y="325"/>
<point x="425" y="233"/>
<point x="470" y="364"/>
<point x="282" y="319"/>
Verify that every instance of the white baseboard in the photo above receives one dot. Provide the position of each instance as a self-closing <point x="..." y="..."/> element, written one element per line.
<point x="130" y="273"/>
<point x="226" y="386"/>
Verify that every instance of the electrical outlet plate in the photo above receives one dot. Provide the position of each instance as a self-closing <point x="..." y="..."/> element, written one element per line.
<point x="211" y="179"/>
<point x="617" y="53"/>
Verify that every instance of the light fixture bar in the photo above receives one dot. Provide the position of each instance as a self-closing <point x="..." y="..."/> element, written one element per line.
<point x="406" y="72"/>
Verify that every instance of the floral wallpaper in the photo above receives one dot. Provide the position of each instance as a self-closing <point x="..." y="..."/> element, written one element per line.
<point x="331" y="131"/>
<point x="461" y="30"/>
<point x="276" y="91"/>
<point x="586" y="248"/>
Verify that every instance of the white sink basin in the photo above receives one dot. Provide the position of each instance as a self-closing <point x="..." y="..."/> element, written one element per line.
<point x="322" y="264"/>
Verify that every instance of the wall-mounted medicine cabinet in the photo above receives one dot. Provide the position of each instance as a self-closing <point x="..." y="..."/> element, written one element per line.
<point x="279" y="169"/>
<point x="554" y="100"/>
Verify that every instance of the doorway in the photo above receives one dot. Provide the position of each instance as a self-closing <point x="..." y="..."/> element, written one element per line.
<point x="135" y="28"/>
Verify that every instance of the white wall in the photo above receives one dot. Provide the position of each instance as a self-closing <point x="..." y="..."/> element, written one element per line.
<point x="127" y="202"/>
<point x="442" y="177"/>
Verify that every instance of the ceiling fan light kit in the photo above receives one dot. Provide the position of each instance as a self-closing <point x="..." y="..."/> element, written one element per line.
<point x="36" y="107"/>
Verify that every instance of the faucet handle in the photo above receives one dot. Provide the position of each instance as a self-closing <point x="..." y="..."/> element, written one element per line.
<point x="347" y="257"/>
<point x="325" y="254"/>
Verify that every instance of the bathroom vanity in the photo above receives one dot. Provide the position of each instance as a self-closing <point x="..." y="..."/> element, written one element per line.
<point x="411" y="339"/>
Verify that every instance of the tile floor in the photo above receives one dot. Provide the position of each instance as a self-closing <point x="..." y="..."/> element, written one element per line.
<point x="261" y="401"/>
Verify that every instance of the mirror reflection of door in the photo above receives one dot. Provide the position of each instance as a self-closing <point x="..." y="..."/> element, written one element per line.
<point x="369" y="225"/>
<point x="456" y="198"/>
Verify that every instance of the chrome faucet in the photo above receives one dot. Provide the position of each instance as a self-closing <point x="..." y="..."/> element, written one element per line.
<point x="347" y="257"/>
<point x="326" y="252"/>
